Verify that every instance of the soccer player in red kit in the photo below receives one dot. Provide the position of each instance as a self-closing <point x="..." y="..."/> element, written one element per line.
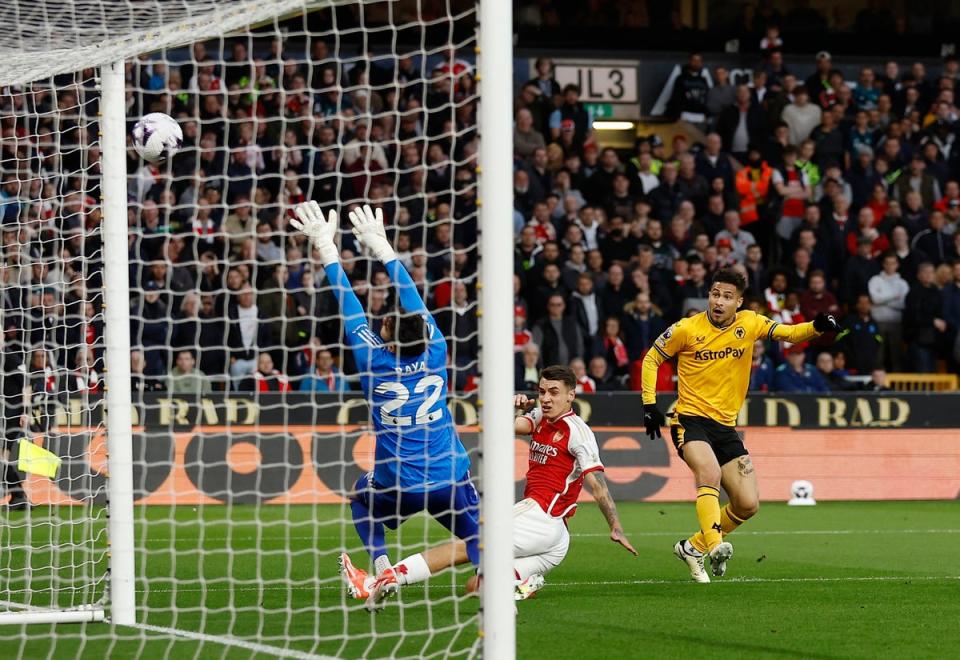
<point x="563" y="456"/>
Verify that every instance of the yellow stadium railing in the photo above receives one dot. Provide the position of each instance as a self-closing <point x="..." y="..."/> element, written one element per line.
<point x="905" y="382"/>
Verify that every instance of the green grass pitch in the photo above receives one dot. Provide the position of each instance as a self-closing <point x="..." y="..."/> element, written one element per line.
<point x="839" y="580"/>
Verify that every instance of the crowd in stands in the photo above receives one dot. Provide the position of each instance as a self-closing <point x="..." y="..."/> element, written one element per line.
<point x="225" y="295"/>
<point x="830" y="195"/>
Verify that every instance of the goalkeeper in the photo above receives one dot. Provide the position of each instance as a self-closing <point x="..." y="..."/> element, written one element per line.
<point x="420" y="463"/>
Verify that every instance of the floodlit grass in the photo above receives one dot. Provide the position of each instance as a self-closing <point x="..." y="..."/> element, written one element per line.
<point x="837" y="580"/>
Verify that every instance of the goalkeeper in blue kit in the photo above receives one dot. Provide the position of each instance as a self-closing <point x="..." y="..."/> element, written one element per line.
<point x="420" y="463"/>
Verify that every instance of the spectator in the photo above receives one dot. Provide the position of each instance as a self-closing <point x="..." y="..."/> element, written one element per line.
<point x="916" y="178"/>
<point x="617" y="292"/>
<point x="801" y="116"/>
<point x="600" y="184"/>
<point x="835" y="379"/>
<point x="753" y="187"/>
<point x="888" y="294"/>
<point x="951" y="311"/>
<point x="791" y="184"/>
<point x="459" y="324"/>
<point x="642" y="325"/>
<point x="741" y="124"/>
<point x="828" y="139"/>
<point x="558" y="335"/>
<point x="819" y="79"/>
<point x="325" y="375"/>
<point x="923" y="325"/>
<point x="933" y="242"/>
<point x="666" y="198"/>
<point x="586" y="307"/>
<point x="602" y="376"/>
<point x="689" y="99"/>
<point x="265" y="378"/>
<point x="84" y="379"/>
<point x="817" y="299"/>
<point x="796" y="375"/>
<point x="585" y="384"/>
<point x="862" y="345"/>
<point x="867" y="231"/>
<point x="695" y="289"/>
<point x="721" y="95"/>
<point x="572" y="110"/>
<point x="714" y="163"/>
<point x="613" y="348"/>
<point x="909" y="259"/>
<point x="526" y="139"/>
<point x="150" y="324"/>
<point x="858" y="271"/>
<point x="186" y="379"/>
<point x="247" y="333"/>
<point x="139" y="381"/>
<point x="527" y="370"/>
<point x="761" y="369"/>
<point x="756" y="271"/>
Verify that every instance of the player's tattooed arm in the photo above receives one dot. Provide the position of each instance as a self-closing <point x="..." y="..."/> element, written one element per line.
<point x="598" y="488"/>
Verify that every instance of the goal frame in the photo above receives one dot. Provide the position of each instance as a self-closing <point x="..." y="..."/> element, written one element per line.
<point x="495" y="72"/>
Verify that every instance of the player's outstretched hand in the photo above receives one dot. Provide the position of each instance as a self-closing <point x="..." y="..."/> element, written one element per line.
<point x="617" y="536"/>
<point x="523" y="402"/>
<point x="825" y="323"/>
<point x="368" y="228"/>
<point x="321" y="231"/>
<point x="653" y="420"/>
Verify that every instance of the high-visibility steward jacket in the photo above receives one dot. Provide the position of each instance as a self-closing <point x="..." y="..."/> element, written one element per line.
<point x="753" y="191"/>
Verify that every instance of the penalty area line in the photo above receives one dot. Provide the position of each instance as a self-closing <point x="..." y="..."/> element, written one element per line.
<point x="266" y="649"/>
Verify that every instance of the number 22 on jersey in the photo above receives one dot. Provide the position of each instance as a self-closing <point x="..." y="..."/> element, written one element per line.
<point x="390" y="410"/>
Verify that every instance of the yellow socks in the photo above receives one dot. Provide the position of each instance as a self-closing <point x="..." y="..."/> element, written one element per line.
<point x="728" y="522"/>
<point x="708" y="513"/>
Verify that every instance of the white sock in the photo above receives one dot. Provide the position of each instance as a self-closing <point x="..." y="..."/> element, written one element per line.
<point x="411" y="570"/>
<point x="381" y="563"/>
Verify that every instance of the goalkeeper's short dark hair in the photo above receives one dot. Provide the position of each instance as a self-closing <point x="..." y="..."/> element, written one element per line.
<point x="731" y="276"/>
<point x="409" y="333"/>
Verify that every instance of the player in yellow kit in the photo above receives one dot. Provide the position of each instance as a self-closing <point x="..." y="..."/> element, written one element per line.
<point x="714" y="350"/>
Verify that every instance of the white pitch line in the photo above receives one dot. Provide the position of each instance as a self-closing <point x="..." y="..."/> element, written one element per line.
<point x="799" y="532"/>
<point x="746" y="580"/>
<point x="275" y="651"/>
<point x="787" y="532"/>
<point x="607" y="583"/>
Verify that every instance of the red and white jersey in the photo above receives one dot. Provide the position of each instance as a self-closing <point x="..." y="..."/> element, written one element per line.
<point x="561" y="452"/>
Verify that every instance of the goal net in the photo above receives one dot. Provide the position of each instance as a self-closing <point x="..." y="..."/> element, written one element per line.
<point x="243" y="413"/>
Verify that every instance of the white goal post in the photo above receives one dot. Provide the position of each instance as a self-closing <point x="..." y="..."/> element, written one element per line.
<point x="49" y="39"/>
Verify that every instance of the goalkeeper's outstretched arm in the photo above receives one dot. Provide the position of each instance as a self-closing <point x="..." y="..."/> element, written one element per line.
<point x="369" y="230"/>
<point x="321" y="232"/>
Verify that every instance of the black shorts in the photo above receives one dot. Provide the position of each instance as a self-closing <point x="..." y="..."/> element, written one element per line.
<point x="726" y="442"/>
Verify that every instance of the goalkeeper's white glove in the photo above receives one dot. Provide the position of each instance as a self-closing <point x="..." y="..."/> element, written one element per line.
<point x="368" y="228"/>
<point x="320" y="231"/>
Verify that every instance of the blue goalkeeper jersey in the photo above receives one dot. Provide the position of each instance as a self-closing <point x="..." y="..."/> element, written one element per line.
<point x="417" y="446"/>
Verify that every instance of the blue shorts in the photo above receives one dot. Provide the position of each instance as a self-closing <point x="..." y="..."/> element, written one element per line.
<point x="456" y="507"/>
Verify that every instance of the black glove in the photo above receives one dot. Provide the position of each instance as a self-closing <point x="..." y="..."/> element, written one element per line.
<point x="653" y="419"/>
<point x="825" y="323"/>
